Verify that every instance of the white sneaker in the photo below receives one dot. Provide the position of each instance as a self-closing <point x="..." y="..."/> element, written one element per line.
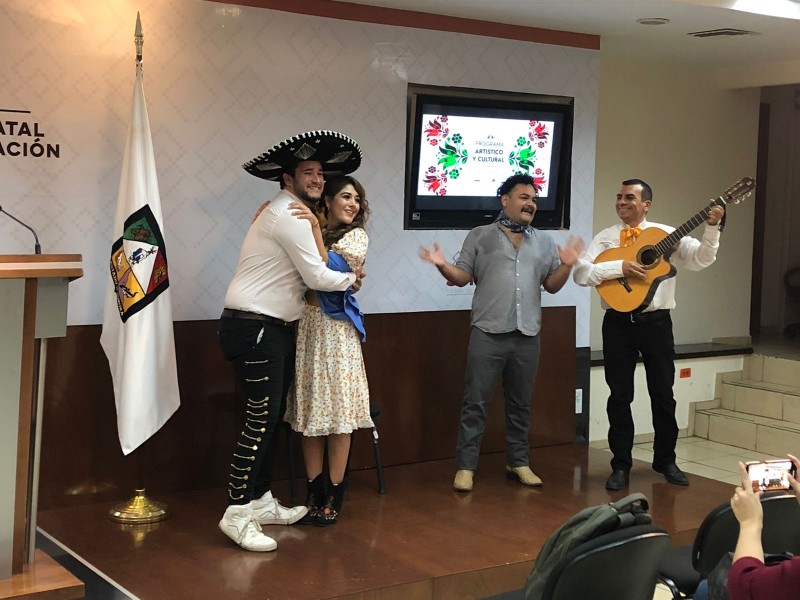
<point x="268" y="511"/>
<point x="239" y="524"/>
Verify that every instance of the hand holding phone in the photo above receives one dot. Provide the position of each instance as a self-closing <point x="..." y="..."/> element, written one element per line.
<point x="771" y="475"/>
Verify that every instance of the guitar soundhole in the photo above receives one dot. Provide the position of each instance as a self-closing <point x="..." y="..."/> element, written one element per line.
<point x="648" y="257"/>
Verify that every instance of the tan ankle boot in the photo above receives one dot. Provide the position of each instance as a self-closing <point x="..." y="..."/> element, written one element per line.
<point x="463" y="480"/>
<point x="524" y="475"/>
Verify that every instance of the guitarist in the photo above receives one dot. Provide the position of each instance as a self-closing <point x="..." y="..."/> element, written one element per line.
<point x="647" y="331"/>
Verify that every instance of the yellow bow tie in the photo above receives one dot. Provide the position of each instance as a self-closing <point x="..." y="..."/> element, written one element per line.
<point x="628" y="235"/>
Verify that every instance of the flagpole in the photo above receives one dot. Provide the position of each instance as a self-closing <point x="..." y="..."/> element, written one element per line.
<point x="139" y="510"/>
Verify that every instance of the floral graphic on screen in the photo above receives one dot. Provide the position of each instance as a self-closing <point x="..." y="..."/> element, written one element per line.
<point x="452" y="154"/>
<point x="435" y="181"/>
<point x="436" y="130"/>
<point x="523" y="157"/>
<point x="538" y="133"/>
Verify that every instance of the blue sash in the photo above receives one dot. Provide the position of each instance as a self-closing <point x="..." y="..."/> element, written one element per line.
<point x="342" y="306"/>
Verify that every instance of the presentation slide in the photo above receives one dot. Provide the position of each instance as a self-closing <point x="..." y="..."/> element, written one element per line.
<point x="472" y="156"/>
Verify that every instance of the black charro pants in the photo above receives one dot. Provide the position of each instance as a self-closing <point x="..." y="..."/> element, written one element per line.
<point x="623" y="341"/>
<point x="262" y="355"/>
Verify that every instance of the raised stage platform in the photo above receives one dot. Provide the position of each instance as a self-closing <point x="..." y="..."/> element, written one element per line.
<point x="422" y="540"/>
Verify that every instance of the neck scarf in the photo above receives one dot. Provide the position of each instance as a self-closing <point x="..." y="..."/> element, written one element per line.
<point x="512" y="225"/>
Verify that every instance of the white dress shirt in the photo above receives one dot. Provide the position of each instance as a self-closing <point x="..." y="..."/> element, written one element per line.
<point x="694" y="255"/>
<point x="279" y="260"/>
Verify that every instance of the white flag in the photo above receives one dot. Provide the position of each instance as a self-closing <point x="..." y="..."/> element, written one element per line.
<point x="137" y="320"/>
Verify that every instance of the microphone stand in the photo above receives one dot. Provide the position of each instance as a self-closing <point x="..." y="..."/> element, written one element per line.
<point x="37" y="249"/>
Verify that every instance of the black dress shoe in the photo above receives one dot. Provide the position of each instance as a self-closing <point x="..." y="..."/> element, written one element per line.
<point x="617" y="480"/>
<point x="673" y="474"/>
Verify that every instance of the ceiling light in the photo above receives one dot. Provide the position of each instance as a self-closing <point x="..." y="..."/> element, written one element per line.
<point x="652" y="21"/>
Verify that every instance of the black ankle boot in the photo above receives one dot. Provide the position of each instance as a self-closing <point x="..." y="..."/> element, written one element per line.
<point x="334" y="499"/>
<point x="315" y="498"/>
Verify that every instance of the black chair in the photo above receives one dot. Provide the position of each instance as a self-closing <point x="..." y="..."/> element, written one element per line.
<point x="621" y="565"/>
<point x="374" y="413"/>
<point x="684" y="567"/>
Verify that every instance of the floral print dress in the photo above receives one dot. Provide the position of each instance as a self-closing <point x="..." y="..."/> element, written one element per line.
<point x="330" y="393"/>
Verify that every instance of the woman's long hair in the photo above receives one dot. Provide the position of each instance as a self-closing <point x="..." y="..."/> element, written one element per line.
<point x="332" y="187"/>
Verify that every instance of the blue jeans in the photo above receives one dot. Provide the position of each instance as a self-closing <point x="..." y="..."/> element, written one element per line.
<point x="702" y="591"/>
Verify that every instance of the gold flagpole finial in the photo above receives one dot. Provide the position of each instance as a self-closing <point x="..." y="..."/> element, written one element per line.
<point x="138" y="39"/>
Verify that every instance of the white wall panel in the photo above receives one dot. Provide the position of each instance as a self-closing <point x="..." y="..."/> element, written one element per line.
<point x="223" y="83"/>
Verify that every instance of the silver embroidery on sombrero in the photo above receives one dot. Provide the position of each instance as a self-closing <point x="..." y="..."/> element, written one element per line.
<point x="305" y="152"/>
<point x="340" y="157"/>
<point x="269" y="166"/>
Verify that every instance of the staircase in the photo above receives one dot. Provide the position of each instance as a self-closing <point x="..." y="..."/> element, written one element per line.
<point x="757" y="408"/>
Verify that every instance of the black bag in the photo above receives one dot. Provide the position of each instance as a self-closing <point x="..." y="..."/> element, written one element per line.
<point x="586" y="525"/>
<point x="718" y="578"/>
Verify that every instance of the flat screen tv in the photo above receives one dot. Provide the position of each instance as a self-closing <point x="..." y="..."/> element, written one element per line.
<point x="463" y="143"/>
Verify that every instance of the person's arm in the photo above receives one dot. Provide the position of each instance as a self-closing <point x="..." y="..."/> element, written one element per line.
<point x="588" y="274"/>
<point x="353" y="247"/>
<point x="699" y="254"/>
<point x="746" y="505"/>
<point x="294" y="235"/>
<point x="450" y="272"/>
<point x="260" y="210"/>
<point x="568" y="256"/>
<point x="301" y="211"/>
<point x="749" y="578"/>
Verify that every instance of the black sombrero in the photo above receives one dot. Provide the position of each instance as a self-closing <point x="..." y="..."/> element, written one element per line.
<point x="338" y="154"/>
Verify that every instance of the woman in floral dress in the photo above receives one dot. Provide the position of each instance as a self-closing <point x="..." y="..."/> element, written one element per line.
<point x="331" y="398"/>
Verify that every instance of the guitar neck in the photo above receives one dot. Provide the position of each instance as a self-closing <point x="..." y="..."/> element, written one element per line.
<point x="665" y="245"/>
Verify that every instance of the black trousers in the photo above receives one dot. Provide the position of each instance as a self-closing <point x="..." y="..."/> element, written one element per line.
<point x="262" y="355"/>
<point x="623" y="341"/>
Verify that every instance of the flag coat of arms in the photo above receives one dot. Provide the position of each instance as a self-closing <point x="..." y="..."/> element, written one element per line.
<point x="137" y="318"/>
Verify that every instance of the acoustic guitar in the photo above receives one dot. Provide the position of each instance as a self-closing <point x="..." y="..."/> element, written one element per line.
<point x="652" y="249"/>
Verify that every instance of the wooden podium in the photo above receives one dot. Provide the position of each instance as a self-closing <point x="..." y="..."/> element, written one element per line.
<point x="33" y="307"/>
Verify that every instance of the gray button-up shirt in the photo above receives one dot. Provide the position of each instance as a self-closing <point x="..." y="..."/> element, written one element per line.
<point x="508" y="283"/>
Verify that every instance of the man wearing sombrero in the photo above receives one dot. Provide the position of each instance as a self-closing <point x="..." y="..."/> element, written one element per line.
<point x="277" y="263"/>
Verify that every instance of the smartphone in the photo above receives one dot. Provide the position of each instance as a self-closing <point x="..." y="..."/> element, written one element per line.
<point x="770" y="475"/>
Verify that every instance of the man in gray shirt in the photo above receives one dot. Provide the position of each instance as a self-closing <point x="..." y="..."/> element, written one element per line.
<point x="509" y="261"/>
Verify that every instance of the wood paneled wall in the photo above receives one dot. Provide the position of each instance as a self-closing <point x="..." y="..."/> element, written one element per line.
<point x="415" y="365"/>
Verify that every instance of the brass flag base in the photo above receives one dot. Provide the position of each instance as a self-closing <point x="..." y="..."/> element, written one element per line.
<point x="138" y="510"/>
